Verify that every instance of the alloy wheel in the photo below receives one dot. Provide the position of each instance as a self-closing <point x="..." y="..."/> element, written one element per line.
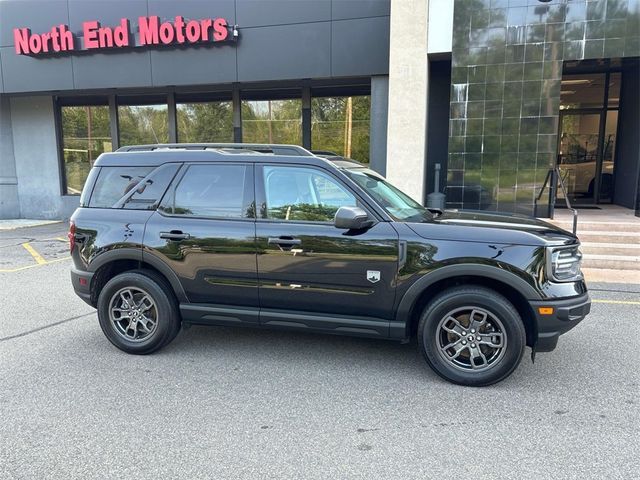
<point x="471" y="339"/>
<point x="133" y="314"/>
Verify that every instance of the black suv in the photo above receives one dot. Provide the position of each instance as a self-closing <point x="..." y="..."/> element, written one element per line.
<point x="276" y="237"/>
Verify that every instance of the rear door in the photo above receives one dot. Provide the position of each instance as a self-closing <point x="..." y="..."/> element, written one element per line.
<point x="311" y="273"/>
<point x="204" y="231"/>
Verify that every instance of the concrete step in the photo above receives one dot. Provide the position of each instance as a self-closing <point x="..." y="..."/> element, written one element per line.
<point x="610" y="248"/>
<point x="615" y="262"/>
<point x="599" y="236"/>
<point x="611" y="276"/>
<point x="592" y="236"/>
<point x="631" y="226"/>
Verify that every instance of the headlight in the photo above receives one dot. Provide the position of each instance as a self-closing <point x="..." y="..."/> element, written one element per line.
<point x="563" y="263"/>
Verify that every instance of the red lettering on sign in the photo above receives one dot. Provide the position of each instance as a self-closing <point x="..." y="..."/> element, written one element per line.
<point x="151" y="32"/>
<point x="35" y="44"/>
<point x="21" y="40"/>
<point x="205" y="26"/>
<point x="192" y="31"/>
<point x="166" y="33"/>
<point x="90" y="31"/>
<point x="148" y="30"/>
<point x="105" y="37"/>
<point x="121" y="34"/>
<point x="66" y="39"/>
<point x="55" y="39"/>
<point x="179" y="26"/>
<point x="220" y="31"/>
<point x="45" y="41"/>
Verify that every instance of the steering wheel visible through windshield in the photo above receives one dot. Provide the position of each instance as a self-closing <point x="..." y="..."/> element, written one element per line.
<point x="397" y="204"/>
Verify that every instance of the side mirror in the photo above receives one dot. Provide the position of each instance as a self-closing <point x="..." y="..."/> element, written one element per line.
<point x="352" y="218"/>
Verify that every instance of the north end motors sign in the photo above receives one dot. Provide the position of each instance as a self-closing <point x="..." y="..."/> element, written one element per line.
<point x="151" y="32"/>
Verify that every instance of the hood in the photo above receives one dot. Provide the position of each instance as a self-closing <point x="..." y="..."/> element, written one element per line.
<point x="493" y="227"/>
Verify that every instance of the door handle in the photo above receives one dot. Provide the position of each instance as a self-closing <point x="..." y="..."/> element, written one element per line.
<point x="285" y="241"/>
<point x="174" y="235"/>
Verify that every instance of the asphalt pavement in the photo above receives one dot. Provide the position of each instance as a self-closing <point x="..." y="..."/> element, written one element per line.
<point x="243" y="403"/>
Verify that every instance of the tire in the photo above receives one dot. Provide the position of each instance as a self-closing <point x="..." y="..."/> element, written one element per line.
<point x="497" y="324"/>
<point x="157" y="319"/>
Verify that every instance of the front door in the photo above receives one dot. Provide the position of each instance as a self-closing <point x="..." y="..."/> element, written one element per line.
<point x="305" y="264"/>
<point x="579" y="156"/>
<point x="204" y="231"/>
<point x="587" y="136"/>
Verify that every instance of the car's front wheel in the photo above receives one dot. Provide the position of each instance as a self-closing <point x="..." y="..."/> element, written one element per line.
<point x="138" y="312"/>
<point x="471" y="336"/>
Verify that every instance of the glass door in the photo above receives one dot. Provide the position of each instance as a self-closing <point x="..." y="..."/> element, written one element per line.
<point x="587" y="137"/>
<point x="605" y="192"/>
<point x="578" y="156"/>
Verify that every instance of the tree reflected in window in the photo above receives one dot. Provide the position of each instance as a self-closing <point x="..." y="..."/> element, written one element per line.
<point x="85" y="135"/>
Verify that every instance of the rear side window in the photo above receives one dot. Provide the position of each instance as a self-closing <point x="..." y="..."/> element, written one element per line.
<point x="88" y="186"/>
<point x="149" y="192"/>
<point x="223" y="191"/>
<point x="115" y="182"/>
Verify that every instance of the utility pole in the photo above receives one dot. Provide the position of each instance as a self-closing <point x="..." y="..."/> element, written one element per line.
<point x="270" y="118"/>
<point x="348" y="128"/>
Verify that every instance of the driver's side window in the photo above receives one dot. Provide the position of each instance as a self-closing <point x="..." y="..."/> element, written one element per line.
<point x="303" y="193"/>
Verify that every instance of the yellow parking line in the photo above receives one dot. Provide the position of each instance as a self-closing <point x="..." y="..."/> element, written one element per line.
<point x="10" y="270"/>
<point x="36" y="256"/>
<point x="616" y="302"/>
<point x="57" y="239"/>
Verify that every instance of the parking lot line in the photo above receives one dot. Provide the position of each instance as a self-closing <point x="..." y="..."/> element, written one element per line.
<point x="36" y="256"/>
<point x="46" y="262"/>
<point x="616" y="302"/>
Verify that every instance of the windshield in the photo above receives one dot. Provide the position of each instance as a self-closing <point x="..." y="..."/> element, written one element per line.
<point x="397" y="204"/>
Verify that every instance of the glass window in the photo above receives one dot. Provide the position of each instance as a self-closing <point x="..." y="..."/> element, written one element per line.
<point x="582" y="91"/>
<point x="272" y="121"/>
<point x="398" y="204"/>
<point x="205" y="122"/>
<point x="143" y="124"/>
<point x="299" y="193"/>
<point x="341" y="125"/>
<point x="150" y="191"/>
<point x="213" y="191"/>
<point x="86" y="134"/>
<point x="115" y="182"/>
<point x="608" y="157"/>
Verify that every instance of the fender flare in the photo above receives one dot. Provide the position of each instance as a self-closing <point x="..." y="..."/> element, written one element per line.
<point x="442" y="273"/>
<point x="124" y="253"/>
<point x="136" y="254"/>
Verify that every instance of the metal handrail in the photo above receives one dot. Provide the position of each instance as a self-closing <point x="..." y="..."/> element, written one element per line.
<point x="566" y="199"/>
<point x="552" y="179"/>
<point x="550" y="204"/>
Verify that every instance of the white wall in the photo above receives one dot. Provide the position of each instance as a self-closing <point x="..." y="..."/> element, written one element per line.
<point x="408" y="88"/>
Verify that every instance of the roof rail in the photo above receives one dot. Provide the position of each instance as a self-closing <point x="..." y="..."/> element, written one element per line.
<point x="276" y="149"/>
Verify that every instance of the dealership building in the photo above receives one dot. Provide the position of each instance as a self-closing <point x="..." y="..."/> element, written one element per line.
<point x="492" y="94"/>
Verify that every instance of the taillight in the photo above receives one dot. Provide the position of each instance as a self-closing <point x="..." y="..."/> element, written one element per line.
<point x="72" y="236"/>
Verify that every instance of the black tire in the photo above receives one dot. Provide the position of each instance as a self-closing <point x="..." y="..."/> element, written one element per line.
<point x="165" y="312"/>
<point x="434" y="335"/>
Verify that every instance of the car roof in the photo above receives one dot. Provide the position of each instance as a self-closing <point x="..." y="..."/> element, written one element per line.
<point x="155" y="155"/>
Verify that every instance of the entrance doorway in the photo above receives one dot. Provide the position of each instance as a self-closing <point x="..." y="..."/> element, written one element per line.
<point x="587" y="138"/>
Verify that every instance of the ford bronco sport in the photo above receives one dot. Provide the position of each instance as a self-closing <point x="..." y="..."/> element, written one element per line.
<point x="272" y="236"/>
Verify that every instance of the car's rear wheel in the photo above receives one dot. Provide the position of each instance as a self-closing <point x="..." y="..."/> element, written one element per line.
<point x="138" y="312"/>
<point x="471" y="336"/>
